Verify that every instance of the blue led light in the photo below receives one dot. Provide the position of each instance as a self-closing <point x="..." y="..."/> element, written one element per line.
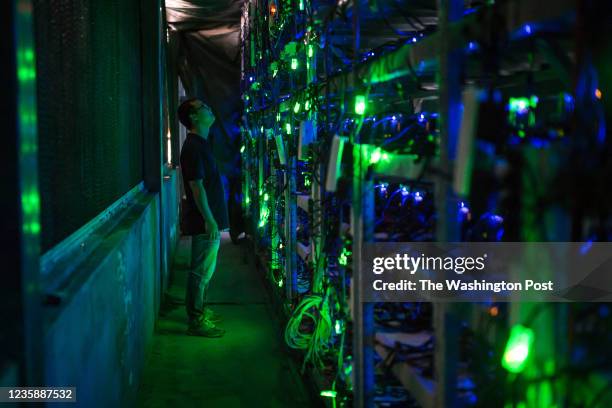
<point x="499" y="235"/>
<point x="539" y="143"/>
<point x="527" y="28"/>
<point x="414" y="39"/>
<point x="382" y="187"/>
<point x="496" y="219"/>
<point x="604" y="311"/>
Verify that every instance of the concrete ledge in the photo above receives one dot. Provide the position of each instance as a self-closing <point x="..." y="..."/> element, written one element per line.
<point x="98" y="332"/>
<point x="60" y="262"/>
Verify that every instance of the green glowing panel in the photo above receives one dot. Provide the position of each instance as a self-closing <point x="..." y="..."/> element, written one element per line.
<point x="288" y="128"/>
<point x="328" y="393"/>
<point x="242" y="148"/>
<point x="360" y="104"/>
<point x="296" y="107"/>
<point x="294" y="63"/>
<point x="27" y="125"/>
<point x="517" y="349"/>
<point x="310" y="51"/>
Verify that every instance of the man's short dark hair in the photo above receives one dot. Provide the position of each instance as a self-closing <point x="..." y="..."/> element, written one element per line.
<point x="184" y="112"/>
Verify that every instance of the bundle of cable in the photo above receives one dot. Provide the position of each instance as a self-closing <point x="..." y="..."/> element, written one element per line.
<point x="318" y="335"/>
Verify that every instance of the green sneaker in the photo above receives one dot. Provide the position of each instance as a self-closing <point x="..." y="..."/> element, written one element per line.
<point x="205" y="328"/>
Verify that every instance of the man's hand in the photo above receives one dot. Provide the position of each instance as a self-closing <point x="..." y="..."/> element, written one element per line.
<point x="214" y="230"/>
<point x="201" y="200"/>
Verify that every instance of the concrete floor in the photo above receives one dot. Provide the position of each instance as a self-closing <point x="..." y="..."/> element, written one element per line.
<point x="248" y="367"/>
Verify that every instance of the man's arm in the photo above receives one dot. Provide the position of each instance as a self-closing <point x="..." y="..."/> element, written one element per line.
<point x="201" y="200"/>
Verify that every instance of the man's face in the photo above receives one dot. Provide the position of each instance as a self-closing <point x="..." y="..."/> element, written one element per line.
<point x="202" y="115"/>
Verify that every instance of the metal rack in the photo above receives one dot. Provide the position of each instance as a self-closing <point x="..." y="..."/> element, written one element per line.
<point x="446" y="47"/>
<point x="442" y="54"/>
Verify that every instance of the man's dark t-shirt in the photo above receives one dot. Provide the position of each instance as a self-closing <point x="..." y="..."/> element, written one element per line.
<point x="197" y="162"/>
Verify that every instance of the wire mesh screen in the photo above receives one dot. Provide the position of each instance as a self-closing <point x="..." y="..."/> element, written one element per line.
<point x="89" y="109"/>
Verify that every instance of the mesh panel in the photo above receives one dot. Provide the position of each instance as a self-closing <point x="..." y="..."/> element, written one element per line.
<point x="89" y="103"/>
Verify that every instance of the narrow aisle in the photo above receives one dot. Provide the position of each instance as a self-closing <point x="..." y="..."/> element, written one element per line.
<point x="248" y="367"/>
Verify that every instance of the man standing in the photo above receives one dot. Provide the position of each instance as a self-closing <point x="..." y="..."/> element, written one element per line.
<point x="204" y="214"/>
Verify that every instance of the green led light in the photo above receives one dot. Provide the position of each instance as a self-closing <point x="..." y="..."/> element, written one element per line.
<point x="375" y="156"/>
<point x="307" y="105"/>
<point x="247" y="200"/>
<point x="296" y="107"/>
<point x="278" y="117"/>
<point x="30" y="202"/>
<point x="31" y="228"/>
<point x="242" y="148"/>
<point x="517" y="349"/>
<point x="518" y="104"/>
<point x="294" y="63"/>
<point x="338" y="327"/>
<point x="360" y="104"/>
<point x="263" y="216"/>
<point x="266" y="197"/>
<point x="343" y="258"/>
<point x="329" y="393"/>
<point x="280" y="283"/>
<point x="288" y="128"/>
<point x="301" y="5"/>
<point x="261" y="129"/>
<point x="310" y="51"/>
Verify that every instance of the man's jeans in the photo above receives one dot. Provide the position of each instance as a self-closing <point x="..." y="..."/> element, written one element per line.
<point x="203" y="261"/>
